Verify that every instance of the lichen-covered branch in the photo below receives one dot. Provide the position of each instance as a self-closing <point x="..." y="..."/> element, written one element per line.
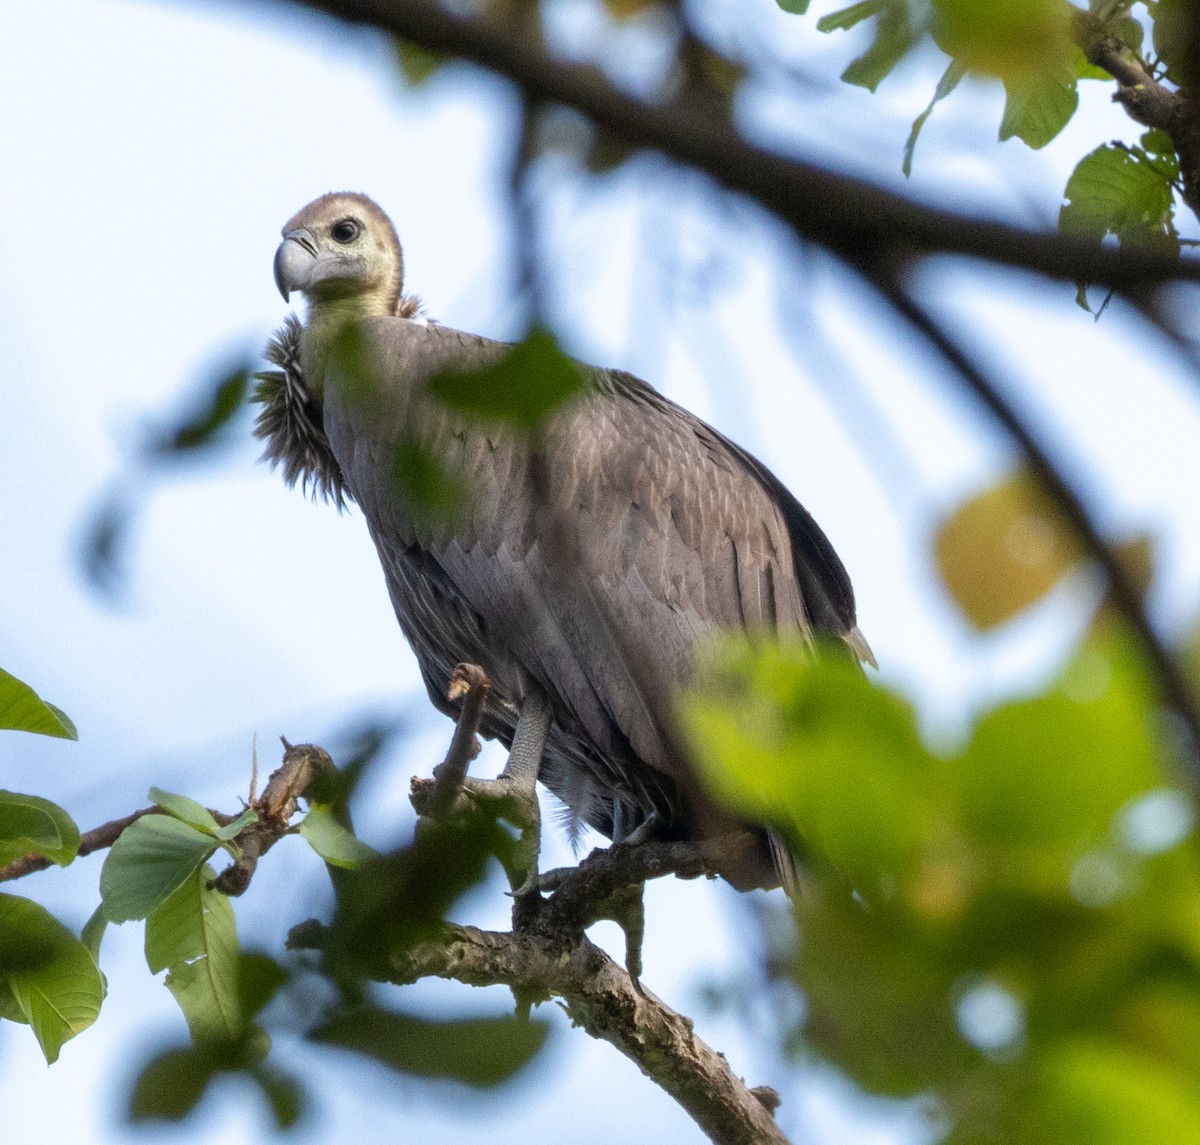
<point x="601" y="998"/>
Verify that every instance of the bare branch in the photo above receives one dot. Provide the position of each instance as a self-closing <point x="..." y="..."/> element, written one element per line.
<point x="303" y="764"/>
<point x="470" y="683"/>
<point x="858" y="221"/>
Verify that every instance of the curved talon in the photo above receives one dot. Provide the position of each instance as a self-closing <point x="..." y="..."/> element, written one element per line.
<point x="644" y="832"/>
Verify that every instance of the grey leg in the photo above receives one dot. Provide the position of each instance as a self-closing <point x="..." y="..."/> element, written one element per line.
<point x="515" y="789"/>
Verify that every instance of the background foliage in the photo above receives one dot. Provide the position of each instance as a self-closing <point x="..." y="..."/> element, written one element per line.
<point x="1000" y="918"/>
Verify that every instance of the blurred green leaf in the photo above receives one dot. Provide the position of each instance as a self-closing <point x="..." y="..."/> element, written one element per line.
<point x="894" y="36"/>
<point x="30" y="825"/>
<point x="193" y="936"/>
<point x="434" y="495"/>
<point x="332" y="841"/>
<point x="201" y="427"/>
<point x="104" y="546"/>
<point x="1047" y="867"/>
<point x="1094" y="1091"/>
<point x="1170" y="36"/>
<point x="795" y="7"/>
<point x="417" y="65"/>
<point x="50" y="974"/>
<point x="285" y="1096"/>
<point x="480" y="1052"/>
<point x="259" y="979"/>
<point x="151" y="859"/>
<point x="172" y="1083"/>
<point x="893" y="39"/>
<point x="773" y="734"/>
<point x="397" y="900"/>
<point x="531" y="382"/>
<point x="845" y="18"/>
<point x="22" y="709"/>
<point x="1015" y="39"/>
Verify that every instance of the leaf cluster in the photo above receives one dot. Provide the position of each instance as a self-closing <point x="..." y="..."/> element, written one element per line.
<point x="1008" y="927"/>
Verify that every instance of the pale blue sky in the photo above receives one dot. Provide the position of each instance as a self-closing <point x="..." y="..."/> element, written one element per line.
<point x="151" y="152"/>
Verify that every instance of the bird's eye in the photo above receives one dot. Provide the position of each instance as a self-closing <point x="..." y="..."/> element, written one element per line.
<point x="345" y="231"/>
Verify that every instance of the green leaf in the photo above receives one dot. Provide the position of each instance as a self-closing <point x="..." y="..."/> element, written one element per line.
<point x="1096" y="1090"/>
<point x="894" y="36"/>
<point x="215" y="411"/>
<point x="153" y="857"/>
<point x="1122" y="192"/>
<point x="93" y="932"/>
<point x="1037" y="107"/>
<point x="30" y="825"/>
<point x="51" y="975"/>
<point x="1021" y="784"/>
<point x="235" y="827"/>
<point x="893" y="39"/>
<point x="417" y="65"/>
<point x="795" y="7"/>
<point x="949" y="81"/>
<point x="1171" y="35"/>
<point x="186" y="810"/>
<point x="193" y="936"/>
<point x="781" y="739"/>
<point x="332" y="841"/>
<point x="22" y="709"/>
<point x="284" y="1094"/>
<point x="1016" y="39"/>
<point x="259" y="979"/>
<point x="480" y="1052"/>
<point x="434" y="495"/>
<point x="848" y="17"/>
<point x="531" y="382"/>
<point x="401" y="898"/>
<point x="171" y="1084"/>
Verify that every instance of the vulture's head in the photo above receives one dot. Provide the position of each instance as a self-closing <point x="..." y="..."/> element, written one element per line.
<point x="342" y="250"/>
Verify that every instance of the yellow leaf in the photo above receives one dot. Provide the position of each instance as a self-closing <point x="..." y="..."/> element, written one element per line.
<point x="1003" y="550"/>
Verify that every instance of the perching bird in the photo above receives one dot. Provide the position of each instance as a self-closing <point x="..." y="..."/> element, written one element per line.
<point x="581" y="573"/>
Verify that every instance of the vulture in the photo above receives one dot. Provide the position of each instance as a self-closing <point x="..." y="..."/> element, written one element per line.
<point x="589" y="559"/>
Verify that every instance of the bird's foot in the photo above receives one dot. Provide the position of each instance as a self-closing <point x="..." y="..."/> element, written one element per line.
<point x="513" y="798"/>
<point x="644" y="832"/>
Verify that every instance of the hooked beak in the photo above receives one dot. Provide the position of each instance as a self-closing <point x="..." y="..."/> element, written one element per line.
<point x="294" y="262"/>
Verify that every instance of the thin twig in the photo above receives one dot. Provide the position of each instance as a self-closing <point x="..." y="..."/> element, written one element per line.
<point x="94" y="840"/>
<point x="469" y="682"/>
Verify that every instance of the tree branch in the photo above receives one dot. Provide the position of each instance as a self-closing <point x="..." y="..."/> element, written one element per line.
<point x="851" y="217"/>
<point x="94" y="840"/>
<point x="1146" y="100"/>
<point x="1174" y="686"/>
<point x="601" y="998"/>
